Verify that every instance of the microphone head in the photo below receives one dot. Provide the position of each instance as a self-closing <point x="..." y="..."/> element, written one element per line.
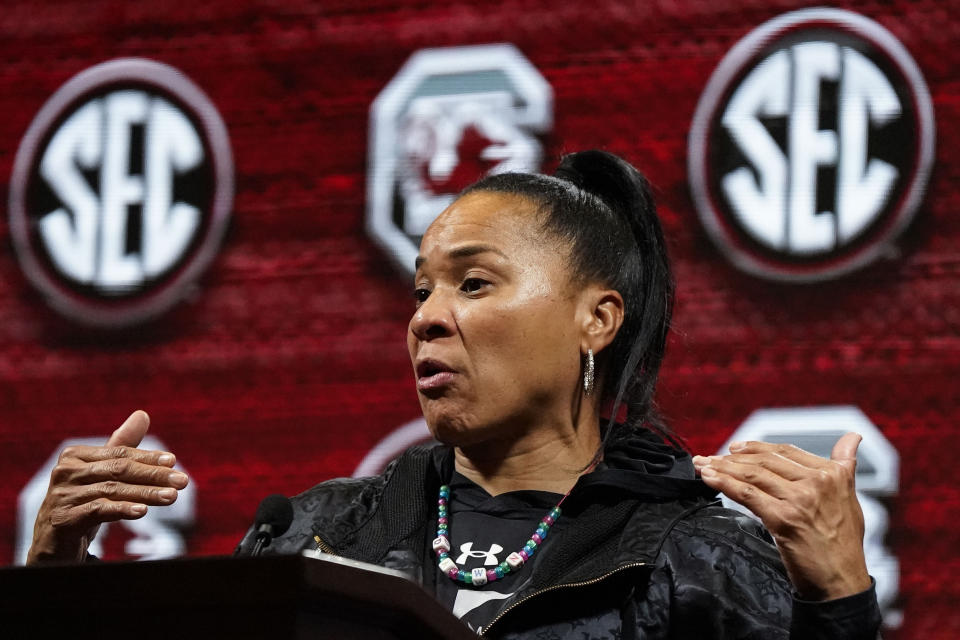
<point x="277" y="512"/>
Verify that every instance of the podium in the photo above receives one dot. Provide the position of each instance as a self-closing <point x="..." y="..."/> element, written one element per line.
<point x="275" y="597"/>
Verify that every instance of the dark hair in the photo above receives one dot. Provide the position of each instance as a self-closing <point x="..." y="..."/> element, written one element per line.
<point x="603" y="207"/>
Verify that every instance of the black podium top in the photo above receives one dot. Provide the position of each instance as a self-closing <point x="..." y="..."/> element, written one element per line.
<point x="274" y="597"/>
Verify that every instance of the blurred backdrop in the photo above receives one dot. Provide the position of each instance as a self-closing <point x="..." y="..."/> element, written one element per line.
<point x="213" y="208"/>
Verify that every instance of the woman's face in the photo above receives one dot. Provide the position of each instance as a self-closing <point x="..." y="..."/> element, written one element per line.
<point x="494" y="340"/>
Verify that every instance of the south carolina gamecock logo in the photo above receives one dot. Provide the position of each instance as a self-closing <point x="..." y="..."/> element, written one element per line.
<point x="811" y="146"/>
<point x="449" y="117"/>
<point x="120" y="192"/>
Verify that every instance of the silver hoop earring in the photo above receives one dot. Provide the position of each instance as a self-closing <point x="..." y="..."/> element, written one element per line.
<point x="588" y="374"/>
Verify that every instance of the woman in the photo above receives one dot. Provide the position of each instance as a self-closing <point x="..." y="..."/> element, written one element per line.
<point x="541" y="303"/>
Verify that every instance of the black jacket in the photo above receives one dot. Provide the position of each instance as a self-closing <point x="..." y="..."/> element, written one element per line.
<point x="643" y="550"/>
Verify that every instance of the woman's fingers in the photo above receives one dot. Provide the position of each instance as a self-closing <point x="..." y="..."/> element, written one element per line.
<point x="808" y="503"/>
<point x="93" y="454"/>
<point x="749" y="495"/>
<point x="772" y="462"/>
<point x="773" y="477"/>
<point x="120" y="491"/>
<point x="121" y="470"/>
<point x="788" y="451"/>
<point x="90" y="514"/>
<point x="93" y="485"/>
<point x="795" y="480"/>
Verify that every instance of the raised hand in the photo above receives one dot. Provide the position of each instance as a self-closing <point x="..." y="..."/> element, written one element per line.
<point x="93" y="485"/>
<point x="809" y="505"/>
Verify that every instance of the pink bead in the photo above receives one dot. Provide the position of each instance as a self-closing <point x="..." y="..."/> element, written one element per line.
<point x="442" y="501"/>
<point x="491" y="575"/>
<point x="536" y="538"/>
<point x="548" y="520"/>
<point x="453" y="573"/>
<point x="524" y="555"/>
<point x="442" y="520"/>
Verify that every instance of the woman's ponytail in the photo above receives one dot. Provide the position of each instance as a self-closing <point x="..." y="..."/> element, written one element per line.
<point x="643" y="278"/>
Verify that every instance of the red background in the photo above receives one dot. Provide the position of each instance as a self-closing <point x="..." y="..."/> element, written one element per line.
<point x="287" y="364"/>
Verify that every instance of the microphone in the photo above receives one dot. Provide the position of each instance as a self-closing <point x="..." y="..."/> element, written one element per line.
<point x="274" y="516"/>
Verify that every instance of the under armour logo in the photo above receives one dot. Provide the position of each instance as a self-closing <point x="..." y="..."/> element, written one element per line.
<point x="466" y="551"/>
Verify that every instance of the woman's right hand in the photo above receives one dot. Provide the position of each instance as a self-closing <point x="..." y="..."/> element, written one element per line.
<point x="93" y="485"/>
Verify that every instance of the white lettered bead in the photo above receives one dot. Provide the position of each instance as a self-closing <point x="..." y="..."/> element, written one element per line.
<point x="447" y="564"/>
<point x="479" y="576"/>
<point x="441" y="544"/>
<point x="515" y="560"/>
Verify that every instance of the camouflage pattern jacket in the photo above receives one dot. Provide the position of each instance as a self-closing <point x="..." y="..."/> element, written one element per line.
<point x="644" y="551"/>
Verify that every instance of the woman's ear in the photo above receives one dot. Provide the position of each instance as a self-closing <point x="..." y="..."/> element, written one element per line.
<point x="602" y="316"/>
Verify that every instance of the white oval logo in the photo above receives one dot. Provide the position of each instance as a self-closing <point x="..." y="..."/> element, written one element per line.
<point x="121" y="191"/>
<point x="811" y="146"/>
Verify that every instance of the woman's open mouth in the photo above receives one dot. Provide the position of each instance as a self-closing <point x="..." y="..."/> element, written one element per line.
<point x="433" y="374"/>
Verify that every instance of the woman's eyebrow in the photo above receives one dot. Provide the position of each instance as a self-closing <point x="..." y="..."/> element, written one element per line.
<point x="465" y="251"/>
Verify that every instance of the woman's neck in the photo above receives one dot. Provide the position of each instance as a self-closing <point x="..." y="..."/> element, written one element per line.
<point x="540" y="461"/>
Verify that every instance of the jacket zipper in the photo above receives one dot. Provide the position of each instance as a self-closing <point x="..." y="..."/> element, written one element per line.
<point x="555" y="587"/>
<point x="324" y="547"/>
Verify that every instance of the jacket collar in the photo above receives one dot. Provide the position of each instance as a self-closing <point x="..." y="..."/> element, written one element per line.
<point x="615" y="516"/>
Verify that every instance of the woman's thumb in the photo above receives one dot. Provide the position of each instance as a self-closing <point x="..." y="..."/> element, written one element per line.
<point x="845" y="450"/>
<point x="131" y="432"/>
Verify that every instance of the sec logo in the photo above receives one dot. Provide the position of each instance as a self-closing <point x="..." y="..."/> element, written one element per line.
<point x="811" y="146"/>
<point x="120" y="193"/>
<point x="446" y="119"/>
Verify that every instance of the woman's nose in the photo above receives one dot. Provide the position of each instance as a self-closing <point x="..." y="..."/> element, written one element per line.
<point x="432" y="319"/>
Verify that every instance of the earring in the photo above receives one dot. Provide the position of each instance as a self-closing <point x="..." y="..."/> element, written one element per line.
<point x="588" y="374"/>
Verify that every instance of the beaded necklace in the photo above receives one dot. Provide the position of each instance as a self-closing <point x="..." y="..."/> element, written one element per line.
<point x="480" y="576"/>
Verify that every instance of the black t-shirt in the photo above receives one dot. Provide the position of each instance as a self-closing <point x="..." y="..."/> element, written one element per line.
<point x="483" y="531"/>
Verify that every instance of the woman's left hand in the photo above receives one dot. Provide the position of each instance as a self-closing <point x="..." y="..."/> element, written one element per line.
<point x="809" y="505"/>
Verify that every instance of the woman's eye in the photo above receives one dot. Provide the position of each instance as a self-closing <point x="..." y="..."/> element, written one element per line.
<point x="472" y="285"/>
<point x="420" y="295"/>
